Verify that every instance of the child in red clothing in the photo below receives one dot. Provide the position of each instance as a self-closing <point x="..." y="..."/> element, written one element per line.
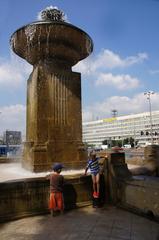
<point x="56" y="202"/>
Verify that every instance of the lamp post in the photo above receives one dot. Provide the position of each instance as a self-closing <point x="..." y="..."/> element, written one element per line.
<point x="148" y="94"/>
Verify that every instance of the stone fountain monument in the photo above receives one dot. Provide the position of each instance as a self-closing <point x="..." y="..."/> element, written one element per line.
<point x="54" y="121"/>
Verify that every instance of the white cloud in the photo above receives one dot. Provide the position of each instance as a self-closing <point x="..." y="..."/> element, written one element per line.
<point x="108" y="60"/>
<point x="123" y="104"/>
<point x="13" y="73"/>
<point x="121" y="82"/>
<point x="111" y="60"/>
<point x="13" y="117"/>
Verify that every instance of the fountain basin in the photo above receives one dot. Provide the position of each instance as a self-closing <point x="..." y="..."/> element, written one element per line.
<point x="51" y="40"/>
<point x="30" y="196"/>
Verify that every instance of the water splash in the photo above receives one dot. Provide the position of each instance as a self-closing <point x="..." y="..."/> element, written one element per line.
<point x="30" y="31"/>
<point x="88" y="46"/>
<point x="12" y="42"/>
<point x="47" y="40"/>
<point x="39" y="37"/>
<point x="13" y="171"/>
<point x="52" y="13"/>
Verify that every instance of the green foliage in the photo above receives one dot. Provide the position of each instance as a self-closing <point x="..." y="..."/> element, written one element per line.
<point x="113" y="143"/>
<point x="88" y="145"/>
<point x="105" y="142"/>
<point x="116" y="143"/>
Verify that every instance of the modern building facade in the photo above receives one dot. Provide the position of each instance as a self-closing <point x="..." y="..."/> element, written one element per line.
<point x="137" y="126"/>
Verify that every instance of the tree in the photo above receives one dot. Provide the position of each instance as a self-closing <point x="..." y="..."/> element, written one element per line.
<point x="132" y="141"/>
<point x="126" y="141"/>
<point x="105" y="142"/>
<point x="116" y="143"/>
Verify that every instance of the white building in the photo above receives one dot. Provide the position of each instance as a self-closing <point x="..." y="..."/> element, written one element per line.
<point x="136" y="126"/>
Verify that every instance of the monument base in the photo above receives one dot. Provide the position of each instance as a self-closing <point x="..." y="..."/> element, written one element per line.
<point x="54" y="121"/>
<point x="40" y="157"/>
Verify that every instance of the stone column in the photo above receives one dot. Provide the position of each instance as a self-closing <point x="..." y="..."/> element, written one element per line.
<point x="54" y="124"/>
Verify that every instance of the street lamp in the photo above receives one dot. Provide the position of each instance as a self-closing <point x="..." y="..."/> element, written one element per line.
<point x="148" y="94"/>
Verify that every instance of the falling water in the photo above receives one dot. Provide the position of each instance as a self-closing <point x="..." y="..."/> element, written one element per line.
<point x="12" y="42"/>
<point x="88" y="46"/>
<point x="30" y="31"/>
<point x="39" y="36"/>
<point x="47" y="40"/>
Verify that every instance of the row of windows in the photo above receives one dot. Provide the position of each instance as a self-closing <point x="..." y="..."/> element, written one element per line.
<point x="100" y="131"/>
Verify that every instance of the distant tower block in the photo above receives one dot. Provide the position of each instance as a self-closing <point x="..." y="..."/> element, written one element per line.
<point x="54" y="122"/>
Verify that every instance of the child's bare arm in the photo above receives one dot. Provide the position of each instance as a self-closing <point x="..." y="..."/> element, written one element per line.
<point x="86" y="169"/>
<point x="47" y="176"/>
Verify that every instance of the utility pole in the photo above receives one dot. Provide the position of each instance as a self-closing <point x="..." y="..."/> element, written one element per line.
<point x="148" y="94"/>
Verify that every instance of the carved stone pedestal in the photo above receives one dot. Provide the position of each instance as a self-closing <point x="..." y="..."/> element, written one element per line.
<point x="54" y="131"/>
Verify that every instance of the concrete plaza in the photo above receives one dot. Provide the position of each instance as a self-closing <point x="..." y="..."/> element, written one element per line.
<point x="84" y="223"/>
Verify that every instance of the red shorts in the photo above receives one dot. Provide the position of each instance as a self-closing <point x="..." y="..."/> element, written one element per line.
<point x="56" y="201"/>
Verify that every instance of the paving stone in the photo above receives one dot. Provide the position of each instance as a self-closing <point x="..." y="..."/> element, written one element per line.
<point x="84" y="223"/>
<point x="97" y="231"/>
<point x="121" y="233"/>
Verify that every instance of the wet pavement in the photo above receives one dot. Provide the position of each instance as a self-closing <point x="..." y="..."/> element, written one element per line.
<point x="84" y="223"/>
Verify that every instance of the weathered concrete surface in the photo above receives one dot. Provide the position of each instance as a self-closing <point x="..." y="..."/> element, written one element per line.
<point x="116" y="170"/>
<point x="151" y="158"/>
<point x="26" y="197"/>
<point x="54" y="129"/>
<point x="150" y="163"/>
<point x="139" y="194"/>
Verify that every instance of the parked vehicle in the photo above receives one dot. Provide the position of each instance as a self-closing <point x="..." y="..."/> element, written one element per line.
<point x="127" y="146"/>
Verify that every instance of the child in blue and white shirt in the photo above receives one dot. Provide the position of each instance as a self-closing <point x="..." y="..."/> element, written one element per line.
<point x="93" y="165"/>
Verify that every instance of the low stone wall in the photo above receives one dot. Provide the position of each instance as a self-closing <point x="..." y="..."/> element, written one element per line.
<point x="27" y="197"/>
<point x="135" y="193"/>
<point x="141" y="195"/>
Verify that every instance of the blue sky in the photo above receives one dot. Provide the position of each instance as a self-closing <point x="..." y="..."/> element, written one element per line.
<point x="123" y="65"/>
